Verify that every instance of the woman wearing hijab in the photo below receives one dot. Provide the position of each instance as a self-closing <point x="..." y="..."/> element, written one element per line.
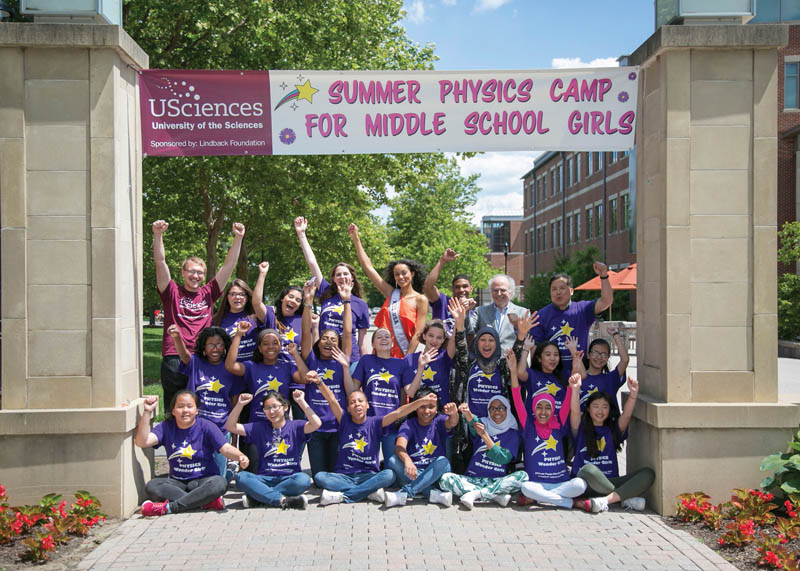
<point x="478" y="378"/>
<point x="496" y="443"/>
<point x="542" y="435"/>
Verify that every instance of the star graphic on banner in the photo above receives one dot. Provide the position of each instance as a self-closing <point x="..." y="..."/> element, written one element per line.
<point x="283" y="85"/>
<point x="294" y="106"/>
<point x="299" y="77"/>
<point x="306" y="91"/>
<point x="428" y="374"/>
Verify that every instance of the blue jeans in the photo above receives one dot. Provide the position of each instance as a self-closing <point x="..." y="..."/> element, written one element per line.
<point x="322" y="450"/>
<point x="222" y="462"/>
<point x="271" y="489"/>
<point x="426" y="479"/>
<point x="356" y="487"/>
<point x="387" y="444"/>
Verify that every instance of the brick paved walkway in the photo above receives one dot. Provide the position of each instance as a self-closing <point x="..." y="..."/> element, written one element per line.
<point x="417" y="536"/>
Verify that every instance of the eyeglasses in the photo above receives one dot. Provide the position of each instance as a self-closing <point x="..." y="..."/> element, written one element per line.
<point x="273" y="407"/>
<point x="237" y="294"/>
<point x="195" y="272"/>
<point x="497" y="408"/>
<point x="598" y="354"/>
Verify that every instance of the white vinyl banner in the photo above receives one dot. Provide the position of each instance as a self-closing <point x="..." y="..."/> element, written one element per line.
<point x="333" y="112"/>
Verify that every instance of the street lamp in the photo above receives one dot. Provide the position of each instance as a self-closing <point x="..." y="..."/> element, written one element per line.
<point x="505" y="257"/>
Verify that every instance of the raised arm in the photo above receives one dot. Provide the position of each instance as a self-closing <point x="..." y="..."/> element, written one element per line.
<point x="231" y="424"/>
<point x="622" y="349"/>
<point x="345" y="292"/>
<point x="225" y="272"/>
<point x="524" y="326"/>
<point x="299" y="375"/>
<point x="180" y="347"/>
<point x="231" y="364"/>
<point x="425" y="359"/>
<point x="336" y="408"/>
<point x="577" y="357"/>
<point x="307" y="339"/>
<point x="159" y="257"/>
<point x="313" y="421"/>
<point x="382" y="285"/>
<point x="144" y="438"/>
<point x="528" y="347"/>
<point x="258" y="292"/>
<point x="606" y="293"/>
<point x="407" y="409"/>
<point x="431" y="291"/>
<point x="300" y="226"/>
<point x="451" y="410"/>
<point x="630" y="404"/>
<point x="575" y="404"/>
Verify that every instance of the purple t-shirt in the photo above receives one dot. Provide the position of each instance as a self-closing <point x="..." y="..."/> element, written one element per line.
<point x="279" y="450"/>
<point x="544" y="459"/>
<point x="332" y="375"/>
<point x="381" y="380"/>
<point x="215" y="387"/>
<point x="481" y="466"/>
<point x="260" y="378"/>
<point x="539" y="382"/>
<point x="481" y="388"/>
<point x="190" y="311"/>
<point x="190" y="451"/>
<point x="425" y="443"/>
<point x="291" y="330"/>
<point x="606" y="460"/>
<point x="359" y="445"/>
<point x="436" y="375"/>
<point x="609" y="383"/>
<point x="330" y="316"/>
<point x="556" y="325"/>
<point x="248" y="342"/>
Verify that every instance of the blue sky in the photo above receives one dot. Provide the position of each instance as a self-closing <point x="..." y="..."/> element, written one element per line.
<point x="523" y="34"/>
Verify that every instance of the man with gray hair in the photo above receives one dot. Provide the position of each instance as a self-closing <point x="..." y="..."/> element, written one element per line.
<point x="501" y="315"/>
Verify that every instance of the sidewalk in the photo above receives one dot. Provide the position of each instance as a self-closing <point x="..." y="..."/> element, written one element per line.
<point x="417" y="536"/>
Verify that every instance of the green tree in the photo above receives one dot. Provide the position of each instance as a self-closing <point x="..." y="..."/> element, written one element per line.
<point x="789" y="283"/>
<point x="430" y="213"/>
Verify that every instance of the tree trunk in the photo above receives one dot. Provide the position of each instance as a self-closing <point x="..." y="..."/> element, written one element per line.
<point x="213" y="219"/>
<point x="243" y="264"/>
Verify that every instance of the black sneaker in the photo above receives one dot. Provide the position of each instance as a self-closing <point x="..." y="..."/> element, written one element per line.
<point x="294" y="503"/>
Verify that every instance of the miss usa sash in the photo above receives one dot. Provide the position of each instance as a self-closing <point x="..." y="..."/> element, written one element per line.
<point x="397" y="326"/>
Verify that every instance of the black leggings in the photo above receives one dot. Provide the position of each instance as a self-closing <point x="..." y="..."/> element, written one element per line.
<point x="628" y="486"/>
<point x="186" y="495"/>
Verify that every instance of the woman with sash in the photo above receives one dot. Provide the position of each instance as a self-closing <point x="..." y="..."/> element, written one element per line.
<point x="406" y="308"/>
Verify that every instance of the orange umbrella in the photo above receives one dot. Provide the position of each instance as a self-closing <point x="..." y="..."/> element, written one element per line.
<point x="618" y="280"/>
<point x="627" y="276"/>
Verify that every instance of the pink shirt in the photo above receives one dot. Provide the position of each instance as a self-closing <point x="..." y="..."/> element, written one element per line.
<point x="190" y="311"/>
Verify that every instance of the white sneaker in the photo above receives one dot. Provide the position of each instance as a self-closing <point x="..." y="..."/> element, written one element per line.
<point x="636" y="504"/>
<point x="502" y="499"/>
<point x="599" y="505"/>
<point x="245" y="501"/>
<point x="439" y="497"/>
<point x="378" y="495"/>
<point x="468" y="499"/>
<point x="393" y="499"/>
<point x="327" y="498"/>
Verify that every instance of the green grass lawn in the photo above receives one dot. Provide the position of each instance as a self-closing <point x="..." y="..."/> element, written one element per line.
<point x="152" y="367"/>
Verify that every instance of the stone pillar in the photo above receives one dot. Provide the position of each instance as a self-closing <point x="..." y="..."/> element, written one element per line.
<point x="71" y="217"/>
<point x="707" y="207"/>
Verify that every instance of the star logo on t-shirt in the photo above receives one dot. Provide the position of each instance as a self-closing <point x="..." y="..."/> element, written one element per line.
<point x="338" y="308"/>
<point x="552" y="389"/>
<point x="281" y="447"/>
<point x="566" y="329"/>
<point x="385" y="375"/>
<point x="274" y="384"/>
<point x="185" y="451"/>
<point x="486" y="376"/>
<point x="551" y="443"/>
<point x="428" y="374"/>
<point x="359" y="444"/>
<point x="326" y="374"/>
<point x="215" y="386"/>
<point x="601" y="444"/>
<point x="429" y="447"/>
<point x="290" y="335"/>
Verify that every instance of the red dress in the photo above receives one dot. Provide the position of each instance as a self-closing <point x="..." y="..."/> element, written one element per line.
<point x="408" y="320"/>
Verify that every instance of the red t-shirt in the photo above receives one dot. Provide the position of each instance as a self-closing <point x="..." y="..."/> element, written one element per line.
<point x="190" y="311"/>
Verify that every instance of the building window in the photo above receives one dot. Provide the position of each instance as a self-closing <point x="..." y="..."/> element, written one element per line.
<point x="612" y="220"/>
<point x="533" y="242"/>
<point x="553" y="182"/>
<point x="497" y="233"/>
<point x="578" y="168"/>
<point x="590" y="161"/>
<point x="577" y="220"/>
<point x="559" y="232"/>
<point x="568" y="174"/>
<point x="589" y="223"/>
<point x="625" y="204"/>
<point x="790" y="85"/>
<point x="569" y="229"/>
<point x="598" y="219"/>
<point x="542" y="187"/>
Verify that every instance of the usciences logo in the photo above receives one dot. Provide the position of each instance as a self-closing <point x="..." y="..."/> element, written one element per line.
<point x="185" y="102"/>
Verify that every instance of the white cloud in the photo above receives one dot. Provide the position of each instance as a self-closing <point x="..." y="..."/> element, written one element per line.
<point x="415" y="11"/>
<point x="488" y="5"/>
<point x="572" y="62"/>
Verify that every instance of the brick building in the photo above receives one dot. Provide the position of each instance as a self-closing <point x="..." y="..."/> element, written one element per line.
<point x="573" y="200"/>
<point x="504" y="237"/>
